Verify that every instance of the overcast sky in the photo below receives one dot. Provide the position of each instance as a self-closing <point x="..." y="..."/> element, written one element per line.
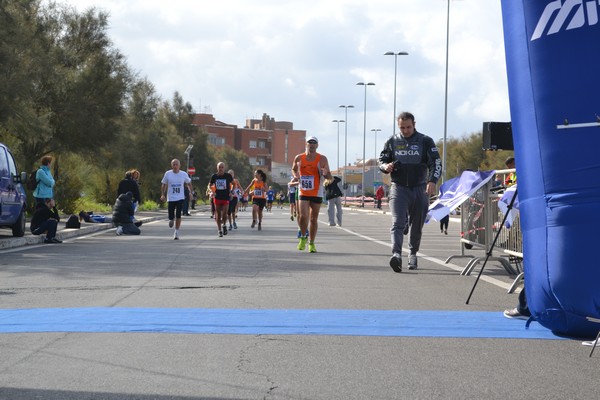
<point x="299" y="60"/>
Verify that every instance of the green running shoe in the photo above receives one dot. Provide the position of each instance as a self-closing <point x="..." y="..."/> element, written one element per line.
<point x="302" y="243"/>
<point x="312" y="248"/>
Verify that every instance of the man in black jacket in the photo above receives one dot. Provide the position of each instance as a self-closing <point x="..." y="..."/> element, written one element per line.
<point x="415" y="166"/>
<point x="45" y="220"/>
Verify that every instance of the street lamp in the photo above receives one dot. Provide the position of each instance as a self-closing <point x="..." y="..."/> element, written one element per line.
<point x="187" y="153"/>
<point x="446" y="93"/>
<point x="338" y="142"/>
<point x="364" y="138"/>
<point x="391" y="53"/>
<point x="344" y="184"/>
<point x="375" y="169"/>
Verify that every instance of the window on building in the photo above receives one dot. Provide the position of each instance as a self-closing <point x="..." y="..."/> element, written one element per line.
<point x="252" y="160"/>
<point x="252" y="144"/>
<point x="262" y="144"/>
<point x="216" y="140"/>
<point x="261" y="161"/>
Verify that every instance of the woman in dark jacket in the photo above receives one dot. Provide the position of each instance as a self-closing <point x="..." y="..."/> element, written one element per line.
<point x="129" y="184"/>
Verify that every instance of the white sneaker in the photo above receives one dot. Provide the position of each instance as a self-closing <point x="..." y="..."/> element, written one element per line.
<point x="412" y="261"/>
<point x="176" y="236"/>
<point x="119" y="230"/>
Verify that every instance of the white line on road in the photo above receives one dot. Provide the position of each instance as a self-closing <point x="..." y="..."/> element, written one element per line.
<point x="451" y="266"/>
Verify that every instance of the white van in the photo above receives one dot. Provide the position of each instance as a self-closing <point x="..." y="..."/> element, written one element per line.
<point x="13" y="200"/>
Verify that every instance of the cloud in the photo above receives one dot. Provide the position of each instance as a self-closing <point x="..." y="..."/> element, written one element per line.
<point x="299" y="60"/>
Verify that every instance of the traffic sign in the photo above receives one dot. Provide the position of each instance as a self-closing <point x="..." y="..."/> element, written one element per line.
<point x="191" y="170"/>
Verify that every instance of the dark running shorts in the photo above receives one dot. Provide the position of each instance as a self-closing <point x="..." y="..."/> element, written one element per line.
<point x="312" y="199"/>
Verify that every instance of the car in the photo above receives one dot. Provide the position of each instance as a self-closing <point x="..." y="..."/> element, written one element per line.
<point x="13" y="200"/>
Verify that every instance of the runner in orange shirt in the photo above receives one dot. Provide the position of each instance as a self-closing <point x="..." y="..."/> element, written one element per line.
<point x="309" y="169"/>
<point x="259" y="196"/>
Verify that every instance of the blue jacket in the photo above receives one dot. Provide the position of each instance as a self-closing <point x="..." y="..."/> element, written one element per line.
<point x="44" y="189"/>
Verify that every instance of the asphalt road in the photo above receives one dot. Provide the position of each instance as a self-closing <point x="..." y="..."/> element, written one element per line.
<point x="249" y="281"/>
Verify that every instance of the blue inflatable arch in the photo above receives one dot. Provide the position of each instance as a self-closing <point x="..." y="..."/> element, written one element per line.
<point x="553" y="67"/>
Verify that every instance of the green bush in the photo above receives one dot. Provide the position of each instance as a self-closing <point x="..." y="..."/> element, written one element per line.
<point x="148" y="205"/>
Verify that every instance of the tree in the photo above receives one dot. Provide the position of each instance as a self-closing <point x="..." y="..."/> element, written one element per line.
<point x="467" y="153"/>
<point x="74" y="79"/>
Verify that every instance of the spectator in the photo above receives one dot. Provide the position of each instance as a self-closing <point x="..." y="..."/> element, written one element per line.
<point x="123" y="214"/>
<point x="186" y="201"/>
<point x="129" y="184"/>
<point x="90" y="217"/>
<point x="45" y="182"/>
<point x="194" y="199"/>
<point x="333" y="194"/>
<point x="45" y="220"/>
<point x="521" y="311"/>
<point x="379" y="193"/>
<point x="511" y="179"/>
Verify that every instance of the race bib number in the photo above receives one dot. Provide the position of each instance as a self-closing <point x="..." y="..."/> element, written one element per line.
<point x="175" y="189"/>
<point x="221" y="184"/>
<point x="307" y="182"/>
<point x="258" y="192"/>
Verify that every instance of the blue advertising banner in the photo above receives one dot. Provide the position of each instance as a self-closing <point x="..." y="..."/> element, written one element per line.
<point x="554" y="87"/>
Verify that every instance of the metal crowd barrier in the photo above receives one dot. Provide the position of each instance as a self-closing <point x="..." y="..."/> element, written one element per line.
<point x="481" y="219"/>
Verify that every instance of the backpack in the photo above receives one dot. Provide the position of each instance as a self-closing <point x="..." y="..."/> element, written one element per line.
<point x="32" y="182"/>
<point x="73" y="222"/>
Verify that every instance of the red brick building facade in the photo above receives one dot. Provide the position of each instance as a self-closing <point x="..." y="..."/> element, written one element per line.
<point x="269" y="144"/>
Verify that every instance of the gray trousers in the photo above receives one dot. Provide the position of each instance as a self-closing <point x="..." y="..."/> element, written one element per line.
<point x="334" y="210"/>
<point x="412" y="202"/>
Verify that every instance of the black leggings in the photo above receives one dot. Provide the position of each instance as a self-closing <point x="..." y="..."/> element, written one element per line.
<point x="175" y="208"/>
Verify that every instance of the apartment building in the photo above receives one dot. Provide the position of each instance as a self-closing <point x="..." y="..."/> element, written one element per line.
<point x="269" y="144"/>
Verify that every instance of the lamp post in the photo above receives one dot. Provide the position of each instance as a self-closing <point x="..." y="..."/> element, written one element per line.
<point x="375" y="168"/>
<point x="391" y="53"/>
<point x="362" y="203"/>
<point x="446" y="94"/>
<point x="338" y="142"/>
<point x="344" y="184"/>
<point x="187" y="152"/>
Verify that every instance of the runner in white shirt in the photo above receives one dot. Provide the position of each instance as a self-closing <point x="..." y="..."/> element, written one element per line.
<point x="172" y="189"/>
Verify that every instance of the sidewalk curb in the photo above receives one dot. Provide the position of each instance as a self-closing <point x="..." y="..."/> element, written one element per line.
<point x="10" y="242"/>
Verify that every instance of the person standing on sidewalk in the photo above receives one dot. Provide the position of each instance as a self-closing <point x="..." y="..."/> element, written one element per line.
<point x="45" y="182"/>
<point x="172" y="190"/>
<point x="309" y="168"/>
<point x="333" y="194"/>
<point x="379" y="193"/>
<point x="415" y="166"/>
